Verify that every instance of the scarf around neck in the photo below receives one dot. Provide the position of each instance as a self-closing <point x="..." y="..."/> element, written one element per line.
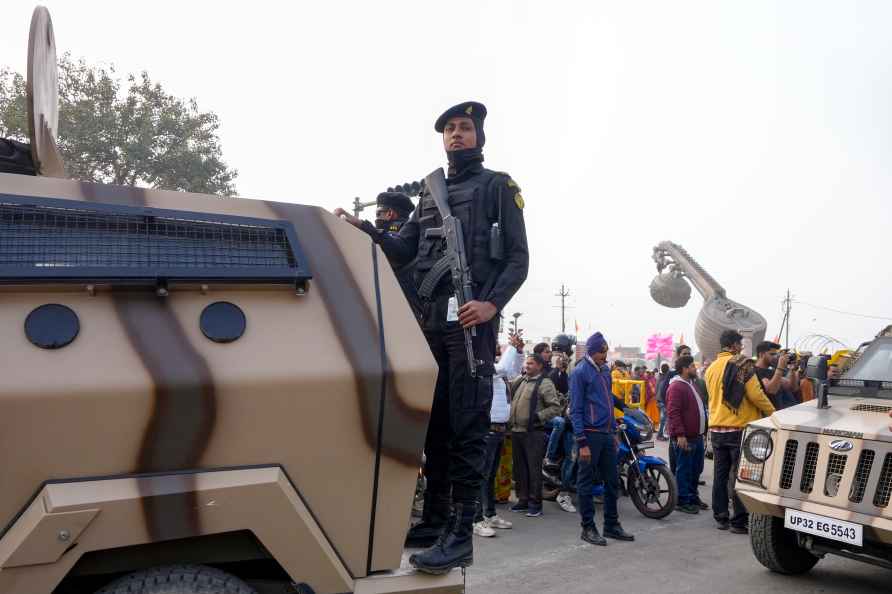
<point x="461" y="160"/>
<point x="738" y="372"/>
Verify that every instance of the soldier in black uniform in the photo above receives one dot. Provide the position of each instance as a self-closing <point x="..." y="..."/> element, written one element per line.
<point x="490" y="206"/>
<point x="392" y="212"/>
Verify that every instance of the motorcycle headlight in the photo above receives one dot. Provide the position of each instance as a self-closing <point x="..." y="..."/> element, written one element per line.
<point x="757" y="446"/>
<point x="642" y="424"/>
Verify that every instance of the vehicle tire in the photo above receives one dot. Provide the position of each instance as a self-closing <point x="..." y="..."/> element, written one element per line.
<point x="178" y="579"/>
<point x="655" y="494"/>
<point x="776" y="548"/>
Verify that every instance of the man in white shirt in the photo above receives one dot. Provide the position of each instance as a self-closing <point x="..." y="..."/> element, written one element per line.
<point x="509" y="363"/>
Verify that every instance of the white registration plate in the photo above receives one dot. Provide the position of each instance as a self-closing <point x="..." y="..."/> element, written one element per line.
<point x="823" y="526"/>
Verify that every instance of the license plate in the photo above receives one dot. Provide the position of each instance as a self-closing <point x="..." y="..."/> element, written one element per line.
<point x="645" y="445"/>
<point x="823" y="526"/>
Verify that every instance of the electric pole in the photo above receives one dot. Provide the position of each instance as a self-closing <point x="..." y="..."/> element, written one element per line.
<point x="789" y="307"/>
<point x="563" y="295"/>
<point x="515" y="315"/>
<point x="785" y="323"/>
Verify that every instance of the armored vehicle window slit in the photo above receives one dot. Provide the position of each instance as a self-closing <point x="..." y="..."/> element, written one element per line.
<point x="809" y="468"/>
<point x="45" y="239"/>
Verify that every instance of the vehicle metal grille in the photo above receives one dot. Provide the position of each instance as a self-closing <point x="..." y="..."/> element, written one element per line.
<point x="836" y="468"/>
<point x="871" y="408"/>
<point x="43" y="237"/>
<point x="862" y="475"/>
<point x="789" y="465"/>
<point x="46" y="238"/>
<point x="809" y="468"/>
<point x="884" y="485"/>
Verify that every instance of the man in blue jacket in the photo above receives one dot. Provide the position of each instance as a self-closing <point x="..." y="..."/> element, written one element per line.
<point x="591" y="413"/>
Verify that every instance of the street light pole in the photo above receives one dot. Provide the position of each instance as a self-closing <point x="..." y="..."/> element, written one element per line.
<point x="515" y="315"/>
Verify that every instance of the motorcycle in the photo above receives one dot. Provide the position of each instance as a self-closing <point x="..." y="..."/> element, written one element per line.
<point x="647" y="479"/>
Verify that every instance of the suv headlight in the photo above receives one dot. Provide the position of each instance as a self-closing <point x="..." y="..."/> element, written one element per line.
<point x="757" y="446"/>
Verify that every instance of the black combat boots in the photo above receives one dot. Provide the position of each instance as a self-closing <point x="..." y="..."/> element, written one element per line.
<point x="434" y="520"/>
<point x="455" y="549"/>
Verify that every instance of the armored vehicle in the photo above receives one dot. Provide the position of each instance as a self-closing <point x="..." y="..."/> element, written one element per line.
<point x="199" y="394"/>
<point x="817" y="477"/>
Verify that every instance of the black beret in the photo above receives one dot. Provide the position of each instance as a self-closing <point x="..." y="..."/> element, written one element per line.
<point x="469" y="109"/>
<point x="397" y="201"/>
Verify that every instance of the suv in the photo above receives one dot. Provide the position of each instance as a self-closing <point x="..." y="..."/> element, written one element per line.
<point x="817" y="477"/>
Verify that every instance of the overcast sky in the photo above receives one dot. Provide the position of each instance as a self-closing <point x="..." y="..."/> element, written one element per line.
<point x="756" y="134"/>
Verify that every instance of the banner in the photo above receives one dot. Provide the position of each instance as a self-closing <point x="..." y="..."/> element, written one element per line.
<point x="659" y="345"/>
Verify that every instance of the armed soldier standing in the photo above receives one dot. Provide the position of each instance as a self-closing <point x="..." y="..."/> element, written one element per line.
<point x="489" y="206"/>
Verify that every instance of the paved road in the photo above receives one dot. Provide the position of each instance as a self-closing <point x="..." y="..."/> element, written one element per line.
<point x="681" y="553"/>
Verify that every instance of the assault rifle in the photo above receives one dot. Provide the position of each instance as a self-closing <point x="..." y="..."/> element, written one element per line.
<point x="455" y="254"/>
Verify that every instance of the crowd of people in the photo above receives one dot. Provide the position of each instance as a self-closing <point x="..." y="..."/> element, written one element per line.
<point x="554" y="422"/>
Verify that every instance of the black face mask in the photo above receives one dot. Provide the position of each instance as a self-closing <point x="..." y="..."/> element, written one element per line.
<point x="381" y="224"/>
<point x="461" y="160"/>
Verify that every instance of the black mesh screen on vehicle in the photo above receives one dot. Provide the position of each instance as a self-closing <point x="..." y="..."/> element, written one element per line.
<point x="81" y="241"/>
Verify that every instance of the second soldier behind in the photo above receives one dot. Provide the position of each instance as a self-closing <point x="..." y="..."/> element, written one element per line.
<point x="392" y="211"/>
<point x="490" y="207"/>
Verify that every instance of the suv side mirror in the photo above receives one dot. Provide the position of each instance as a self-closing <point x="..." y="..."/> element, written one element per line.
<point x="821" y="394"/>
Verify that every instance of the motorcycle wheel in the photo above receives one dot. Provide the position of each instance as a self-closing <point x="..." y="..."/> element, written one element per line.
<point x="654" y="492"/>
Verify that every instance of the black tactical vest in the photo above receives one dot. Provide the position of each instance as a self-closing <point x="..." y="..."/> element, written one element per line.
<point x="474" y="201"/>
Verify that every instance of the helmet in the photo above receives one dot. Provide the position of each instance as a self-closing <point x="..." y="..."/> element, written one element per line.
<point x="563" y="343"/>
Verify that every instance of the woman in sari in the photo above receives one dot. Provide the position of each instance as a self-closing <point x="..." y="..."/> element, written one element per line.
<point x="651" y="408"/>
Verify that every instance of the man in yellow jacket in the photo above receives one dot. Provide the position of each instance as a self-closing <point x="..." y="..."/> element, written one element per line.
<point x="736" y="398"/>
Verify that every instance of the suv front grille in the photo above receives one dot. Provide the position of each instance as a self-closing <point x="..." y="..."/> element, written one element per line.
<point x="862" y="484"/>
<point x="884" y="486"/>
<point x="789" y="466"/>
<point x="862" y="475"/>
<point x="836" y="469"/>
<point x="809" y="468"/>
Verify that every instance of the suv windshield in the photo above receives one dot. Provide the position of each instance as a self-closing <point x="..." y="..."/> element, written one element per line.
<point x="875" y="364"/>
